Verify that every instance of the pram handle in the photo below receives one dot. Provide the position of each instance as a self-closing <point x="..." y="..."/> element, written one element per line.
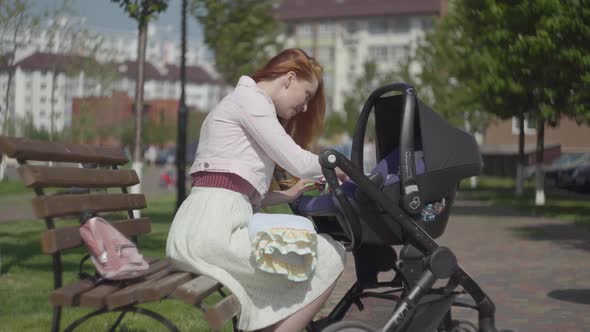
<point x="412" y="199"/>
<point x="330" y="159"/>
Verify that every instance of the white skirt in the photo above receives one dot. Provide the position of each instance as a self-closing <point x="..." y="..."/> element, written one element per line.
<point x="209" y="236"/>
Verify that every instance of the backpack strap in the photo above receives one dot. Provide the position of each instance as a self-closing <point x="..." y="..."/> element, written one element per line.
<point x="87" y="215"/>
<point x="96" y="279"/>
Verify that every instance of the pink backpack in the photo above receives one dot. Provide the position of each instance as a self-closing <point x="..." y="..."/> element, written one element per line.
<point x="114" y="256"/>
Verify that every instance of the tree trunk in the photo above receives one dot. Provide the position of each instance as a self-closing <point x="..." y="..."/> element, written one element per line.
<point x="137" y="153"/>
<point x="5" y="118"/>
<point x="52" y="113"/>
<point x="540" y="176"/>
<point x="473" y="179"/>
<point x="7" y="101"/>
<point x="521" y="157"/>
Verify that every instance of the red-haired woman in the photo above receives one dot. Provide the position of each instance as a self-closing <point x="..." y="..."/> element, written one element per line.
<point x="269" y="118"/>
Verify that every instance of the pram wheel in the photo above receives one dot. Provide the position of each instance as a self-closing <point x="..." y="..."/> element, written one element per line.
<point x="349" y="326"/>
<point x="463" y="326"/>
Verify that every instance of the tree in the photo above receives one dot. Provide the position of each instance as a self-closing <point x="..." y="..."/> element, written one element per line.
<point x="524" y="57"/>
<point x="16" y="20"/>
<point x="67" y="39"/>
<point x="159" y="132"/>
<point x="241" y="33"/>
<point x="453" y="99"/>
<point x="142" y="11"/>
<point x="364" y="85"/>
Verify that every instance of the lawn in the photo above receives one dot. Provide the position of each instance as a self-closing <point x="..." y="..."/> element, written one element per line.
<point x="561" y="204"/>
<point x="11" y="187"/>
<point x="26" y="280"/>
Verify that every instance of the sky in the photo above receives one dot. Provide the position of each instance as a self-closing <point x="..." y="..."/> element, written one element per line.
<point x="104" y="15"/>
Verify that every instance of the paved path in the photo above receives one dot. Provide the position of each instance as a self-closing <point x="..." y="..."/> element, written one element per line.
<point x="536" y="270"/>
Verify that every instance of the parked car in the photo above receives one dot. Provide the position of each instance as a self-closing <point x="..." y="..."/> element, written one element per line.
<point x="167" y="155"/>
<point x="565" y="161"/>
<point x="570" y="172"/>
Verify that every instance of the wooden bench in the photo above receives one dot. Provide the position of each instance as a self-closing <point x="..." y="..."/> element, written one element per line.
<point x="85" y="171"/>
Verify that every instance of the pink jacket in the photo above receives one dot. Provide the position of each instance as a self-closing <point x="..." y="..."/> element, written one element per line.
<point x="242" y="135"/>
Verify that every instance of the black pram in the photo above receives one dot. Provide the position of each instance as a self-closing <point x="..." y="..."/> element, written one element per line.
<point x="405" y="200"/>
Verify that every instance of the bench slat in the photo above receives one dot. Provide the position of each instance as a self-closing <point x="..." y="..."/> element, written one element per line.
<point x="59" y="206"/>
<point x="128" y="295"/>
<point x="54" y="240"/>
<point x="223" y="311"/>
<point x="162" y="288"/>
<point x="57" y="176"/>
<point x="28" y="149"/>
<point x="196" y="290"/>
<point x="69" y="295"/>
<point x="95" y="298"/>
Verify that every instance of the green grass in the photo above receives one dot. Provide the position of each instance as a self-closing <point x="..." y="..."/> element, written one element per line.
<point x="26" y="280"/>
<point x="10" y="187"/>
<point x="561" y="204"/>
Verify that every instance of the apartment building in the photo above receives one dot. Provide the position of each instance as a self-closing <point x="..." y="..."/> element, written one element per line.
<point x="344" y="34"/>
<point x="40" y="76"/>
<point x="43" y="86"/>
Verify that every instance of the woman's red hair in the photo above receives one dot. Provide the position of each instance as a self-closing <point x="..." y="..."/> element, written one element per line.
<point x="304" y="127"/>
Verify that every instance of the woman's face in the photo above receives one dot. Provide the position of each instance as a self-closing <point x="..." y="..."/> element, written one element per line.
<point x="294" y="96"/>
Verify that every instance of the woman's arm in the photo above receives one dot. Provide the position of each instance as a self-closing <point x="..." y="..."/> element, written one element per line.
<point x="261" y="122"/>
<point x="289" y="195"/>
<point x="276" y="198"/>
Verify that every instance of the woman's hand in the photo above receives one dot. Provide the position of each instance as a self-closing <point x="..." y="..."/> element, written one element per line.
<point x="302" y="186"/>
<point x="341" y="175"/>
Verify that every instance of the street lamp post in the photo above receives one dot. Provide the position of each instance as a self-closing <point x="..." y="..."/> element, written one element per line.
<point x="182" y="118"/>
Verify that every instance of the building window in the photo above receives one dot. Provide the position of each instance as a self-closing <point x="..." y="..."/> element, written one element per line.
<point x="304" y="29"/>
<point x="42" y="100"/>
<point x="326" y="54"/>
<point x="290" y="30"/>
<point x="352" y="27"/>
<point x="427" y="23"/>
<point x="530" y="125"/>
<point x="328" y="83"/>
<point x="397" y="53"/>
<point x="400" y="25"/>
<point x="378" y="53"/>
<point x="309" y="51"/>
<point x="377" y="26"/>
<point x="326" y="29"/>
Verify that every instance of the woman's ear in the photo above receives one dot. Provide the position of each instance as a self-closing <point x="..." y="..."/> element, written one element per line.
<point x="290" y="78"/>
